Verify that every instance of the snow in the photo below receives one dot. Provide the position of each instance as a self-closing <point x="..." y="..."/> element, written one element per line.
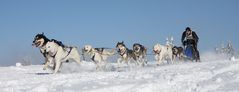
<point x="18" y="64"/>
<point x="207" y="76"/>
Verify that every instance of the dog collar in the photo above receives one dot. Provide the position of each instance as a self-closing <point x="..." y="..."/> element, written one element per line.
<point x="93" y="58"/>
<point x="121" y="54"/>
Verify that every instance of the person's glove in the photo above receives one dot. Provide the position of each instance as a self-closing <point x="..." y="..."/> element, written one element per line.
<point x="184" y="43"/>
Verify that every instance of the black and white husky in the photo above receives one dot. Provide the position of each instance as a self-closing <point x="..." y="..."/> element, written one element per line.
<point x="178" y="52"/>
<point x="61" y="53"/>
<point x="140" y="53"/>
<point x="40" y="41"/>
<point x="126" y="55"/>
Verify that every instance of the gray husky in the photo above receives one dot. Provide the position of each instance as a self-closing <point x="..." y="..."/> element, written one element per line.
<point x="126" y="55"/>
<point x="140" y="54"/>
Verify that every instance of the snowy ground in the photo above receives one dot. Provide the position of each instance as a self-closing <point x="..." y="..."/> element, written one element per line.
<point x="207" y="76"/>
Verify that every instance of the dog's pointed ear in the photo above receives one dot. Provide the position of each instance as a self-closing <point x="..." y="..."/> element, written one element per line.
<point x="42" y="33"/>
<point x="117" y="44"/>
<point x="122" y="41"/>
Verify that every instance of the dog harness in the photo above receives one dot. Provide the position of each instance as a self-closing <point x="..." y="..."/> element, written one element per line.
<point x="67" y="53"/>
<point x="93" y="58"/>
<point x="121" y="54"/>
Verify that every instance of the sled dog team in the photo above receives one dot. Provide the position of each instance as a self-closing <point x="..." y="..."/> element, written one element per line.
<point x="56" y="53"/>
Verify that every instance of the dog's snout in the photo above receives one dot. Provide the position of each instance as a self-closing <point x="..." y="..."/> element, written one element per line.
<point x="136" y="48"/>
<point x="155" y="51"/>
<point x="85" y="49"/>
<point x="34" y="43"/>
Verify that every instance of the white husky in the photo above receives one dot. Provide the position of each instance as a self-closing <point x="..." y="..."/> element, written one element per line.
<point x="163" y="52"/>
<point x="98" y="55"/>
<point x="61" y="54"/>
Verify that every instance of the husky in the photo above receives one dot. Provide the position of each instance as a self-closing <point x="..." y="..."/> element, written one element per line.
<point x="126" y="54"/>
<point x="98" y="55"/>
<point x="140" y="53"/>
<point x="61" y="54"/>
<point x="40" y="41"/>
<point x="162" y="52"/>
<point x="178" y="52"/>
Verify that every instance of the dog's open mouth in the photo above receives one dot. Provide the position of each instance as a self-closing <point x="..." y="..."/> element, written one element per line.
<point x="156" y="51"/>
<point x="85" y="50"/>
<point x="37" y="44"/>
<point x="137" y="51"/>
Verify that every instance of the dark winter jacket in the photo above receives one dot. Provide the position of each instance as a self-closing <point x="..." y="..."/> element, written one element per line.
<point x="195" y="37"/>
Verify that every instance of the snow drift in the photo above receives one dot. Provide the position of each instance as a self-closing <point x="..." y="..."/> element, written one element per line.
<point x="207" y="76"/>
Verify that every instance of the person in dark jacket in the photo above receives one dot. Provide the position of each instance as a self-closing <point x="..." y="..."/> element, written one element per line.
<point x="190" y="37"/>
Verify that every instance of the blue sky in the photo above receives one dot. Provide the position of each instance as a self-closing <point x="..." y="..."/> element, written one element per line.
<point x="102" y="23"/>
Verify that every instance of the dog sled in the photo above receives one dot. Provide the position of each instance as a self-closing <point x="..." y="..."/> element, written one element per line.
<point x="191" y="54"/>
